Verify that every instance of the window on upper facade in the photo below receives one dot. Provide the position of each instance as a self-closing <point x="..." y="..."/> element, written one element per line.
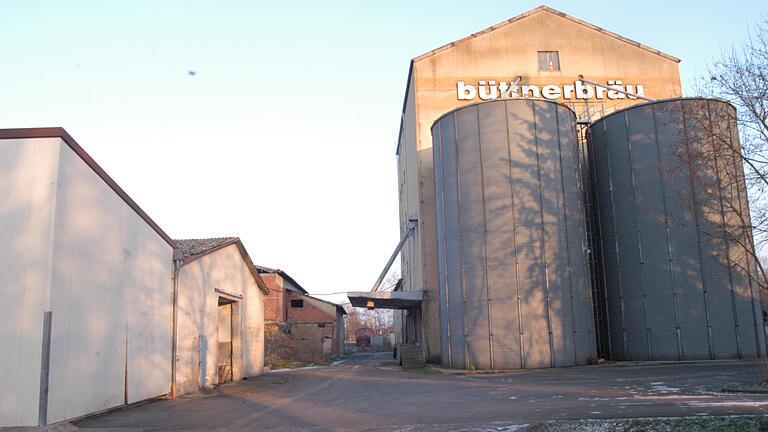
<point x="549" y="61"/>
<point x="297" y="303"/>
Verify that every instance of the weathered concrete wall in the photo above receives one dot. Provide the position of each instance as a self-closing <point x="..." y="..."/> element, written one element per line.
<point x="28" y="176"/>
<point x="311" y="311"/>
<point x="226" y="270"/>
<point x="310" y="337"/>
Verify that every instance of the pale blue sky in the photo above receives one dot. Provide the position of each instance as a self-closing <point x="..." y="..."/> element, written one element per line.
<point x="285" y="136"/>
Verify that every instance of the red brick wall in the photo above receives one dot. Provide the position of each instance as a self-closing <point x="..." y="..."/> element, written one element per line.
<point x="308" y="313"/>
<point x="274" y="303"/>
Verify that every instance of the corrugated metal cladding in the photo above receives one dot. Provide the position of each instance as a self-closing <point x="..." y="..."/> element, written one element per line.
<point x="668" y="194"/>
<point x="513" y="278"/>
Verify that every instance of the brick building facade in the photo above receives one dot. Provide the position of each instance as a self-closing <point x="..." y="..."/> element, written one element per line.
<point x="317" y="325"/>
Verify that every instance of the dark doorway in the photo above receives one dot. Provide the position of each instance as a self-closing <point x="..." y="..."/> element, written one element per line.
<point x="224" y="354"/>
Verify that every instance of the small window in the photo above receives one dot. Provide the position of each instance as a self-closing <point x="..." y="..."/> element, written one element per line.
<point x="321" y="325"/>
<point x="549" y="61"/>
<point x="297" y="303"/>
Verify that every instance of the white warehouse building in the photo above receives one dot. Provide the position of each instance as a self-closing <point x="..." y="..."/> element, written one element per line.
<point x="87" y="284"/>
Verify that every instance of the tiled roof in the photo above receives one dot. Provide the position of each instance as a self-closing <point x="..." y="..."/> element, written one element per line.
<point x="262" y="269"/>
<point x="192" y="247"/>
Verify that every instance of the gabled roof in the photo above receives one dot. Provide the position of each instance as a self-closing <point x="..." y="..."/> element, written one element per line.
<point x="57" y="132"/>
<point x="284" y="275"/>
<point x="544" y="8"/>
<point x="339" y="309"/>
<point x="192" y="249"/>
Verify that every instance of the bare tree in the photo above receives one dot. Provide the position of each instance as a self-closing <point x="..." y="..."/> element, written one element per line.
<point x="739" y="76"/>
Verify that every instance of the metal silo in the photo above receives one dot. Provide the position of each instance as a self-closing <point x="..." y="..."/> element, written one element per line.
<point x="669" y="191"/>
<point x="513" y="281"/>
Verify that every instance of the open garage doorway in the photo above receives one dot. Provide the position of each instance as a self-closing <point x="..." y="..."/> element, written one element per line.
<point x="224" y="364"/>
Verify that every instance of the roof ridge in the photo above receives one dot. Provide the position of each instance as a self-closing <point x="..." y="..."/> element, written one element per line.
<point x="202" y="246"/>
<point x="545" y="8"/>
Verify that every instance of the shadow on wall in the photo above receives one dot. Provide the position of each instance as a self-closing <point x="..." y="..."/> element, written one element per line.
<point x="110" y="298"/>
<point x="198" y="318"/>
<point x="512" y="237"/>
<point x="677" y="253"/>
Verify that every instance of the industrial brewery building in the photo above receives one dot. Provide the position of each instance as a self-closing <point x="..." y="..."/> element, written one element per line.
<point x="554" y="207"/>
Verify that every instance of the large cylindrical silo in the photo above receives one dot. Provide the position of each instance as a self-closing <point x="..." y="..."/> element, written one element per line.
<point x="674" y="253"/>
<point x="513" y="282"/>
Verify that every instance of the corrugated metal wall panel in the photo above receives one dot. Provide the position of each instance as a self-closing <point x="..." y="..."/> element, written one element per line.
<point x="653" y="235"/>
<point x="673" y="262"/>
<point x="512" y="287"/>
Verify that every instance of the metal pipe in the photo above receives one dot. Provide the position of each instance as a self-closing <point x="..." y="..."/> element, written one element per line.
<point x="508" y="92"/>
<point x="45" y="369"/>
<point x="635" y="95"/>
<point x="410" y="229"/>
<point x="445" y="267"/>
<point x="177" y="261"/>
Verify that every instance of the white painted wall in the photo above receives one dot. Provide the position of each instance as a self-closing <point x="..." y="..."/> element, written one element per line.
<point x="73" y="246"/>
<point x="28" y="173"/>
<point x="111" y="289"/>
<point x="226" y="270"/>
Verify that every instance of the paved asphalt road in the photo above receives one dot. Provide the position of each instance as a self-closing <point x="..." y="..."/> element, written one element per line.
<point x="361" y="394"/>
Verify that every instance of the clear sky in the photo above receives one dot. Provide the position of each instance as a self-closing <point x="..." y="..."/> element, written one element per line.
<point x="276" y="122"/>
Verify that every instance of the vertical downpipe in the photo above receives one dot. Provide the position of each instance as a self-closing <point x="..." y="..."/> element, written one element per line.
<point x="125" y="372"/>
<point x="445" y="266"/>
<point x="177" y="260"/>
<point x="461" y="244"/>
<point x="45" y="369"/>
<point x="648" y="335"/>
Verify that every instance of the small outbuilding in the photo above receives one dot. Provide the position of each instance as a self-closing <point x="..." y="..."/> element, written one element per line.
<point x="219" y="316"/>
<point x="99" y="307"/>
<point x="317" y="325"/>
